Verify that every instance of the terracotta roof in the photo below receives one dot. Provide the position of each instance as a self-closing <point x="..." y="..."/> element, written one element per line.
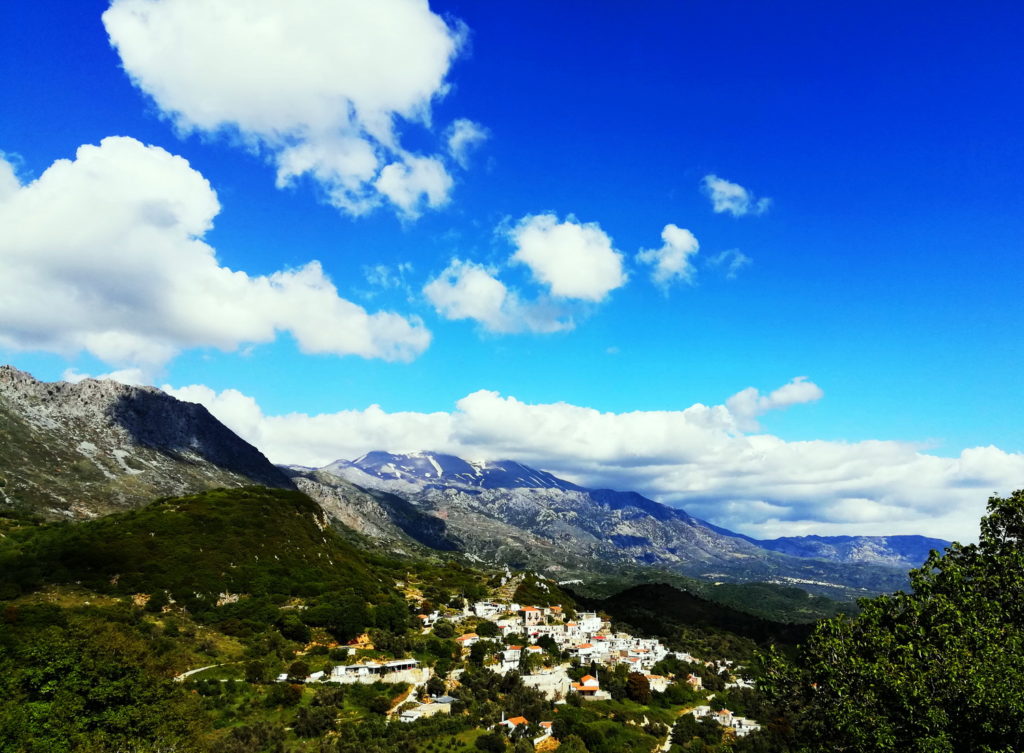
<point x="517" y="720"/>
<point x="585" y="645"/>
<point x="515" y="648"/>
<point x="529" y="609"/>
<point x="587" y="677"/>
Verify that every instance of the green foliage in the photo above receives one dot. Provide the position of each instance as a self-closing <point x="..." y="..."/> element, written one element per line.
<point x="491" y="742"/>
<point x="252" y="540"/>
<point x="487" y="629"/>
<point x="638" y="688"/>
<point x="293" y="628"/>
<point x="573" y="744"/>
<point x="444" y="629"/>
<point x="282" y="694"/>
<point x="541" y="592"/>
<point x="88" y="681"/>
<point x="701" y="626"/>
<point x="933" y="671"/>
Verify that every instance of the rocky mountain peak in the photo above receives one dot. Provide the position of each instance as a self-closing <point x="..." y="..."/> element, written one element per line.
<point x="83" y="448"/>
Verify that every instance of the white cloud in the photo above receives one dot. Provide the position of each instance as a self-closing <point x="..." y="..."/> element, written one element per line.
<point x="733" y="198"/>
<point x="415" y="181"/>
<point x="466" y="290"/>
<point x="318" y="85"/>
<point x="463" y="137"/>
<point x="730" y="262"/>
<point x="9" y="182"/>
<point x="386" y="277"/>
<point x="697" y="458"/>
<point x="671" y="262"/>
<point x="575" y="260"/>
<point x="133" y="376"/>
<point x="746" y="405"/>
<point x="104" y="253"/>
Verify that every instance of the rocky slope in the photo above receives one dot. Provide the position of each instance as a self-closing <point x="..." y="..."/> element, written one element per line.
<point x="898" y="551"/>
<point x="86" y="449"/>
<point x="379" y="515"/>
<point x="506" y="512"/>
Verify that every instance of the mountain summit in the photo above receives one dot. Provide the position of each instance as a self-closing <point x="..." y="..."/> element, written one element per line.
<point x="76" y="450"/>
<point x="435" y="469"/>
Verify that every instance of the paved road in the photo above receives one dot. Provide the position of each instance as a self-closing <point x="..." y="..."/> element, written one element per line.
<point x="184" y="675"/>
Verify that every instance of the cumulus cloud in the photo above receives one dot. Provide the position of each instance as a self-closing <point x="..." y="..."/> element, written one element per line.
<point x="733" y="198"/>
<point x="9" y="182"/>
<point x="133" y="376"/>
<point x="698" y="458"/>
<point x="746" y="405"/>
<point x="574" y="260"/>
<point x="318" y="86"/>
<point x="463" y="137"/>
<point x="671" y="262"/>
<point x="104" y="253"/>
<point x="730" y="262"/>
<point x="466" y="290"/>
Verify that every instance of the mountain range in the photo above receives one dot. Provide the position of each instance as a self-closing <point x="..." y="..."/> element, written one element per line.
<point x="95" y="447"/>
<point x="506" y="512"/>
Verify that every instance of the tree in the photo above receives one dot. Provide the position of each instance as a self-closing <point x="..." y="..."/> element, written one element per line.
<point x="479" y="651"/>
<point x="936" y="669"/>
<point x="491" y="742"/>
<point x="283" y="694"/>
<point x="435" y="686"/>
<point x="293" y="628"/>
<point x="487" y="629"/>
<point x="572" y="744"/>
<point x="443" y="629"/>
<point x="314" y="721"/>
<point x="638" y="688"/>
<point x="256" y="672"/>
<point x="298" y="671"/>
<point x="157" y="602"/>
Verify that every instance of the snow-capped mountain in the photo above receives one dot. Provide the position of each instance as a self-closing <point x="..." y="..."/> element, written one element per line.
<point x="418" y="470"/>
<point x="504" y="511"/>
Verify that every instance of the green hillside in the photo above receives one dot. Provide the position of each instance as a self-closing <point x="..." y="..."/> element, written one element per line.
<point x="696" y="624"/>
<point x="229" y="557"/>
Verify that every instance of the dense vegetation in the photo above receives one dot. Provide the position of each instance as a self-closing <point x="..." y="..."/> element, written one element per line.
<point x="97" y="617"/>
<point x="702" y="626"/>
<point x="936" y="670"/>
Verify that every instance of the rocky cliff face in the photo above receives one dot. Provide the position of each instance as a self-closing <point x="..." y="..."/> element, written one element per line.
<point x="80" y="450"/>
<point x="378" y="515"/>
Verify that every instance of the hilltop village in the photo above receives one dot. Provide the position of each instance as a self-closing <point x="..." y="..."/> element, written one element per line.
<point x="559" y="652"/>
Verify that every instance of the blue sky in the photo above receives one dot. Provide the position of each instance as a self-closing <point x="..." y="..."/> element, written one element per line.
<point x="886" y="267"/>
